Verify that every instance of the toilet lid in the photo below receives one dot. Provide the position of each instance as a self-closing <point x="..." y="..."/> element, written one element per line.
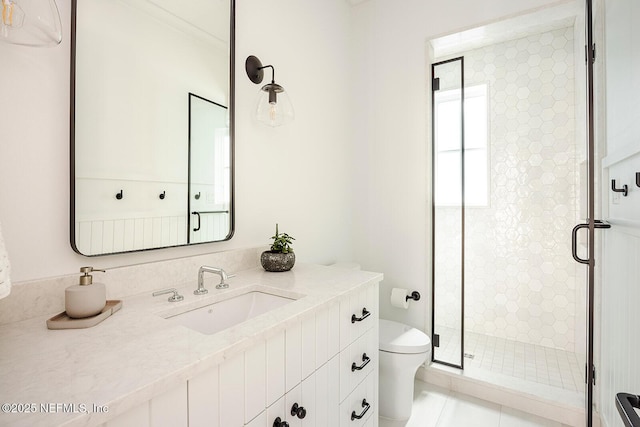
<point x="400" y="338"/>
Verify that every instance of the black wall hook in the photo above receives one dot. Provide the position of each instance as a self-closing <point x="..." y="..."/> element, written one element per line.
<point x="415" y="295"/>
<point x="162" y="195"/>
<point x="119" y="195"/>
<point x="197" y="196"/>
<point x="624" y="190"/>
<point x="638" y="179"/>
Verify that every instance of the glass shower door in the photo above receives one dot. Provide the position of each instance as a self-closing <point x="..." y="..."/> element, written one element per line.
<point x="448" y="183"/>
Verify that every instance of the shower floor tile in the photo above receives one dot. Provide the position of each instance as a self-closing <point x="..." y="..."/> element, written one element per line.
<point x="530" y="362"/>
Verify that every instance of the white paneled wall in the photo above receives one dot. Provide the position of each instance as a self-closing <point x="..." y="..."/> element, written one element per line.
<point x="140" y="219"/>
<point x="128" y="234"/>
<point x="619" y="370"/>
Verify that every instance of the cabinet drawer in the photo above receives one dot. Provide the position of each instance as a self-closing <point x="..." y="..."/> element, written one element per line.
<point x="357" y="361"/>
<point x="358" y="313"/>
<point x="360" y="405"/>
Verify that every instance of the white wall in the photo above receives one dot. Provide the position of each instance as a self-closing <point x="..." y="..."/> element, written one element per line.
<point x="391" y="134"/>
<point x="297" y="175"/>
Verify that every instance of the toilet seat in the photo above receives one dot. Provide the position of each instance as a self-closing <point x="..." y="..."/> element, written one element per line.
<point x="397" y="337"/>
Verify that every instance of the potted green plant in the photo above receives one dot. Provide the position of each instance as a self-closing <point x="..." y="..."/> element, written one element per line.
<point x="280" y="257"/>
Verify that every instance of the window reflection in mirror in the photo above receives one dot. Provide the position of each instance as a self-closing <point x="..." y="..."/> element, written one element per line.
<point x="135" y="64"/>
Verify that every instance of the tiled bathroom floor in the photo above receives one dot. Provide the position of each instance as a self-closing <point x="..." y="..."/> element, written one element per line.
<point x="434" y="406"/>
<point x="533" y="363"/>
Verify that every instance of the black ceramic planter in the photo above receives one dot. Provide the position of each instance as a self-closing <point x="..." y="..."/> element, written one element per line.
<point x="277" y="261"/>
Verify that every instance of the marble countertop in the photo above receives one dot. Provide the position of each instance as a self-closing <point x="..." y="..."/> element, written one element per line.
<point x="57" y="377"/>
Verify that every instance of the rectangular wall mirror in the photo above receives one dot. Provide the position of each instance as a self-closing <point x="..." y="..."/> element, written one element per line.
<point x="151" y="124"/>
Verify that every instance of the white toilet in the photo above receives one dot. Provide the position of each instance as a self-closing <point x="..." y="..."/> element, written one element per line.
<point x="402" y="350"/>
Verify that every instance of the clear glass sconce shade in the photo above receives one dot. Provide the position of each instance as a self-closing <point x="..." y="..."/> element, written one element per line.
<point x="274" y="107"/>
<point x="30" y="22"/>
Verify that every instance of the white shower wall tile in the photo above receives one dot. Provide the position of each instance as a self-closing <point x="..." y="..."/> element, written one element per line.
<point x="520" y="278"/>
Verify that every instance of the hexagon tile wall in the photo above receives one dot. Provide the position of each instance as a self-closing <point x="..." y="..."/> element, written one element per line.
<point x="519" y="275"/>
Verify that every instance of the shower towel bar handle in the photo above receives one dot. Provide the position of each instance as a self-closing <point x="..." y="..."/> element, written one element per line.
<point x="574" y="238"/>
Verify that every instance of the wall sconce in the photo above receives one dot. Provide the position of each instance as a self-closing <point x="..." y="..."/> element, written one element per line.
<point x="274" y="106"/>
<point x="30" y="22"/>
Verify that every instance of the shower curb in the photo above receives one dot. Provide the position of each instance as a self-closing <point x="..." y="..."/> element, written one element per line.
<point x="454" y="380"/>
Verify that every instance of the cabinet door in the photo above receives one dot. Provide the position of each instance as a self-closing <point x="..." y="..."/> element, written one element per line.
<point x="308" y="400"/>
<point x="277" y="410"/>
<point x="327" y="334"/>
<point x="360" y="405"/>
<point x="358" y="313"/>
<point x="259" y="421"/>
<point x="308" y="346"/>
<point x="232" y="391"/>
<point x="333" y="338"/>
<point x="203" y="400"/>
<point x="293" y="356"/>
<point x="255" y="377"/>
<point x="170" y="408"/>
<point x="322" y="337"/>
<point x="292" y="397"/>
<point x="327" y="383"/>
<point x="275" y="368"/>
<point x="357" y="361"/>
<point x="166" y="410"/>
<point x="134" y="417"/>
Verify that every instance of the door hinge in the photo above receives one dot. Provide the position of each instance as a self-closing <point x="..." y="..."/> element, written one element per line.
<point x="593" y="374"/>
<point x="436" y="340"/>
<point x="435" y="84"/>
<point x="593" y="53"/>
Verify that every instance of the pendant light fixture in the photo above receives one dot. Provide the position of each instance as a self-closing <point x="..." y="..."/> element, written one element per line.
<point x="274" y="107"/>
<point x="30" y="22"/>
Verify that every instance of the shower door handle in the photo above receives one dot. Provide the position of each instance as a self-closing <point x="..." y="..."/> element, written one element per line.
<point x="574" y="243"/>
<point x="574" y="238"/>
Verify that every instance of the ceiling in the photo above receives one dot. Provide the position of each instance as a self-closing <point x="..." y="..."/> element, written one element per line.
<point x="515" y="28"/>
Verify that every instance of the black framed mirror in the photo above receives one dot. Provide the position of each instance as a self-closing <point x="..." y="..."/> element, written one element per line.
<point x="146" y="77"/>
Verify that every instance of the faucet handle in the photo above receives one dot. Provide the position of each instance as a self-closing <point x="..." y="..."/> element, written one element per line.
<point x="223" y="281"/>
<point x="173" y="298"/>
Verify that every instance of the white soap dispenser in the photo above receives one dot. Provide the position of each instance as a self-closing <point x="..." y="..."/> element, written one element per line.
<point x="85" y="299"/>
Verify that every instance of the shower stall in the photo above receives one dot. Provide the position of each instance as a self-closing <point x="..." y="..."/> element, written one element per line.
<point x="509" y="161"/>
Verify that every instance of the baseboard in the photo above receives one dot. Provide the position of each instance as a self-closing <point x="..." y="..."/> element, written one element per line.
<point x="562" y="406"/>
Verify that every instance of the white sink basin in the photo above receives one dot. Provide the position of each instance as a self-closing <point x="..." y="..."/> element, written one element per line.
<point x="221" y="315"/>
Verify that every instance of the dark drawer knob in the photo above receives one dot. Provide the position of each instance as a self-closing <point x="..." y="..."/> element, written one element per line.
<point x="365" y="314"/>
<point x="298" y="411"/>
<point x="279" y="423"/>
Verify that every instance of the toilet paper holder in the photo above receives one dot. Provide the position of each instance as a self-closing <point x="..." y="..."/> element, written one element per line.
<point x="415" y="295"/>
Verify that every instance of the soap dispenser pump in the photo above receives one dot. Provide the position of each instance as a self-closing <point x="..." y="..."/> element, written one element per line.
<point x="87" y="298"/>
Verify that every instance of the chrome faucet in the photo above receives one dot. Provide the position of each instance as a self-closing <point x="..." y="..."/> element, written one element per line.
<point x="206" y="269"/>
<point x="174" y="298"/>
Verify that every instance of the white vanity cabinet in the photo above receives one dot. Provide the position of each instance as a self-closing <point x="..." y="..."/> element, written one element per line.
<point x="168" y="409"/>
<point x="359" y="359"/>
<point x="325" y="364"/>
<point x="324" y="370"/>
